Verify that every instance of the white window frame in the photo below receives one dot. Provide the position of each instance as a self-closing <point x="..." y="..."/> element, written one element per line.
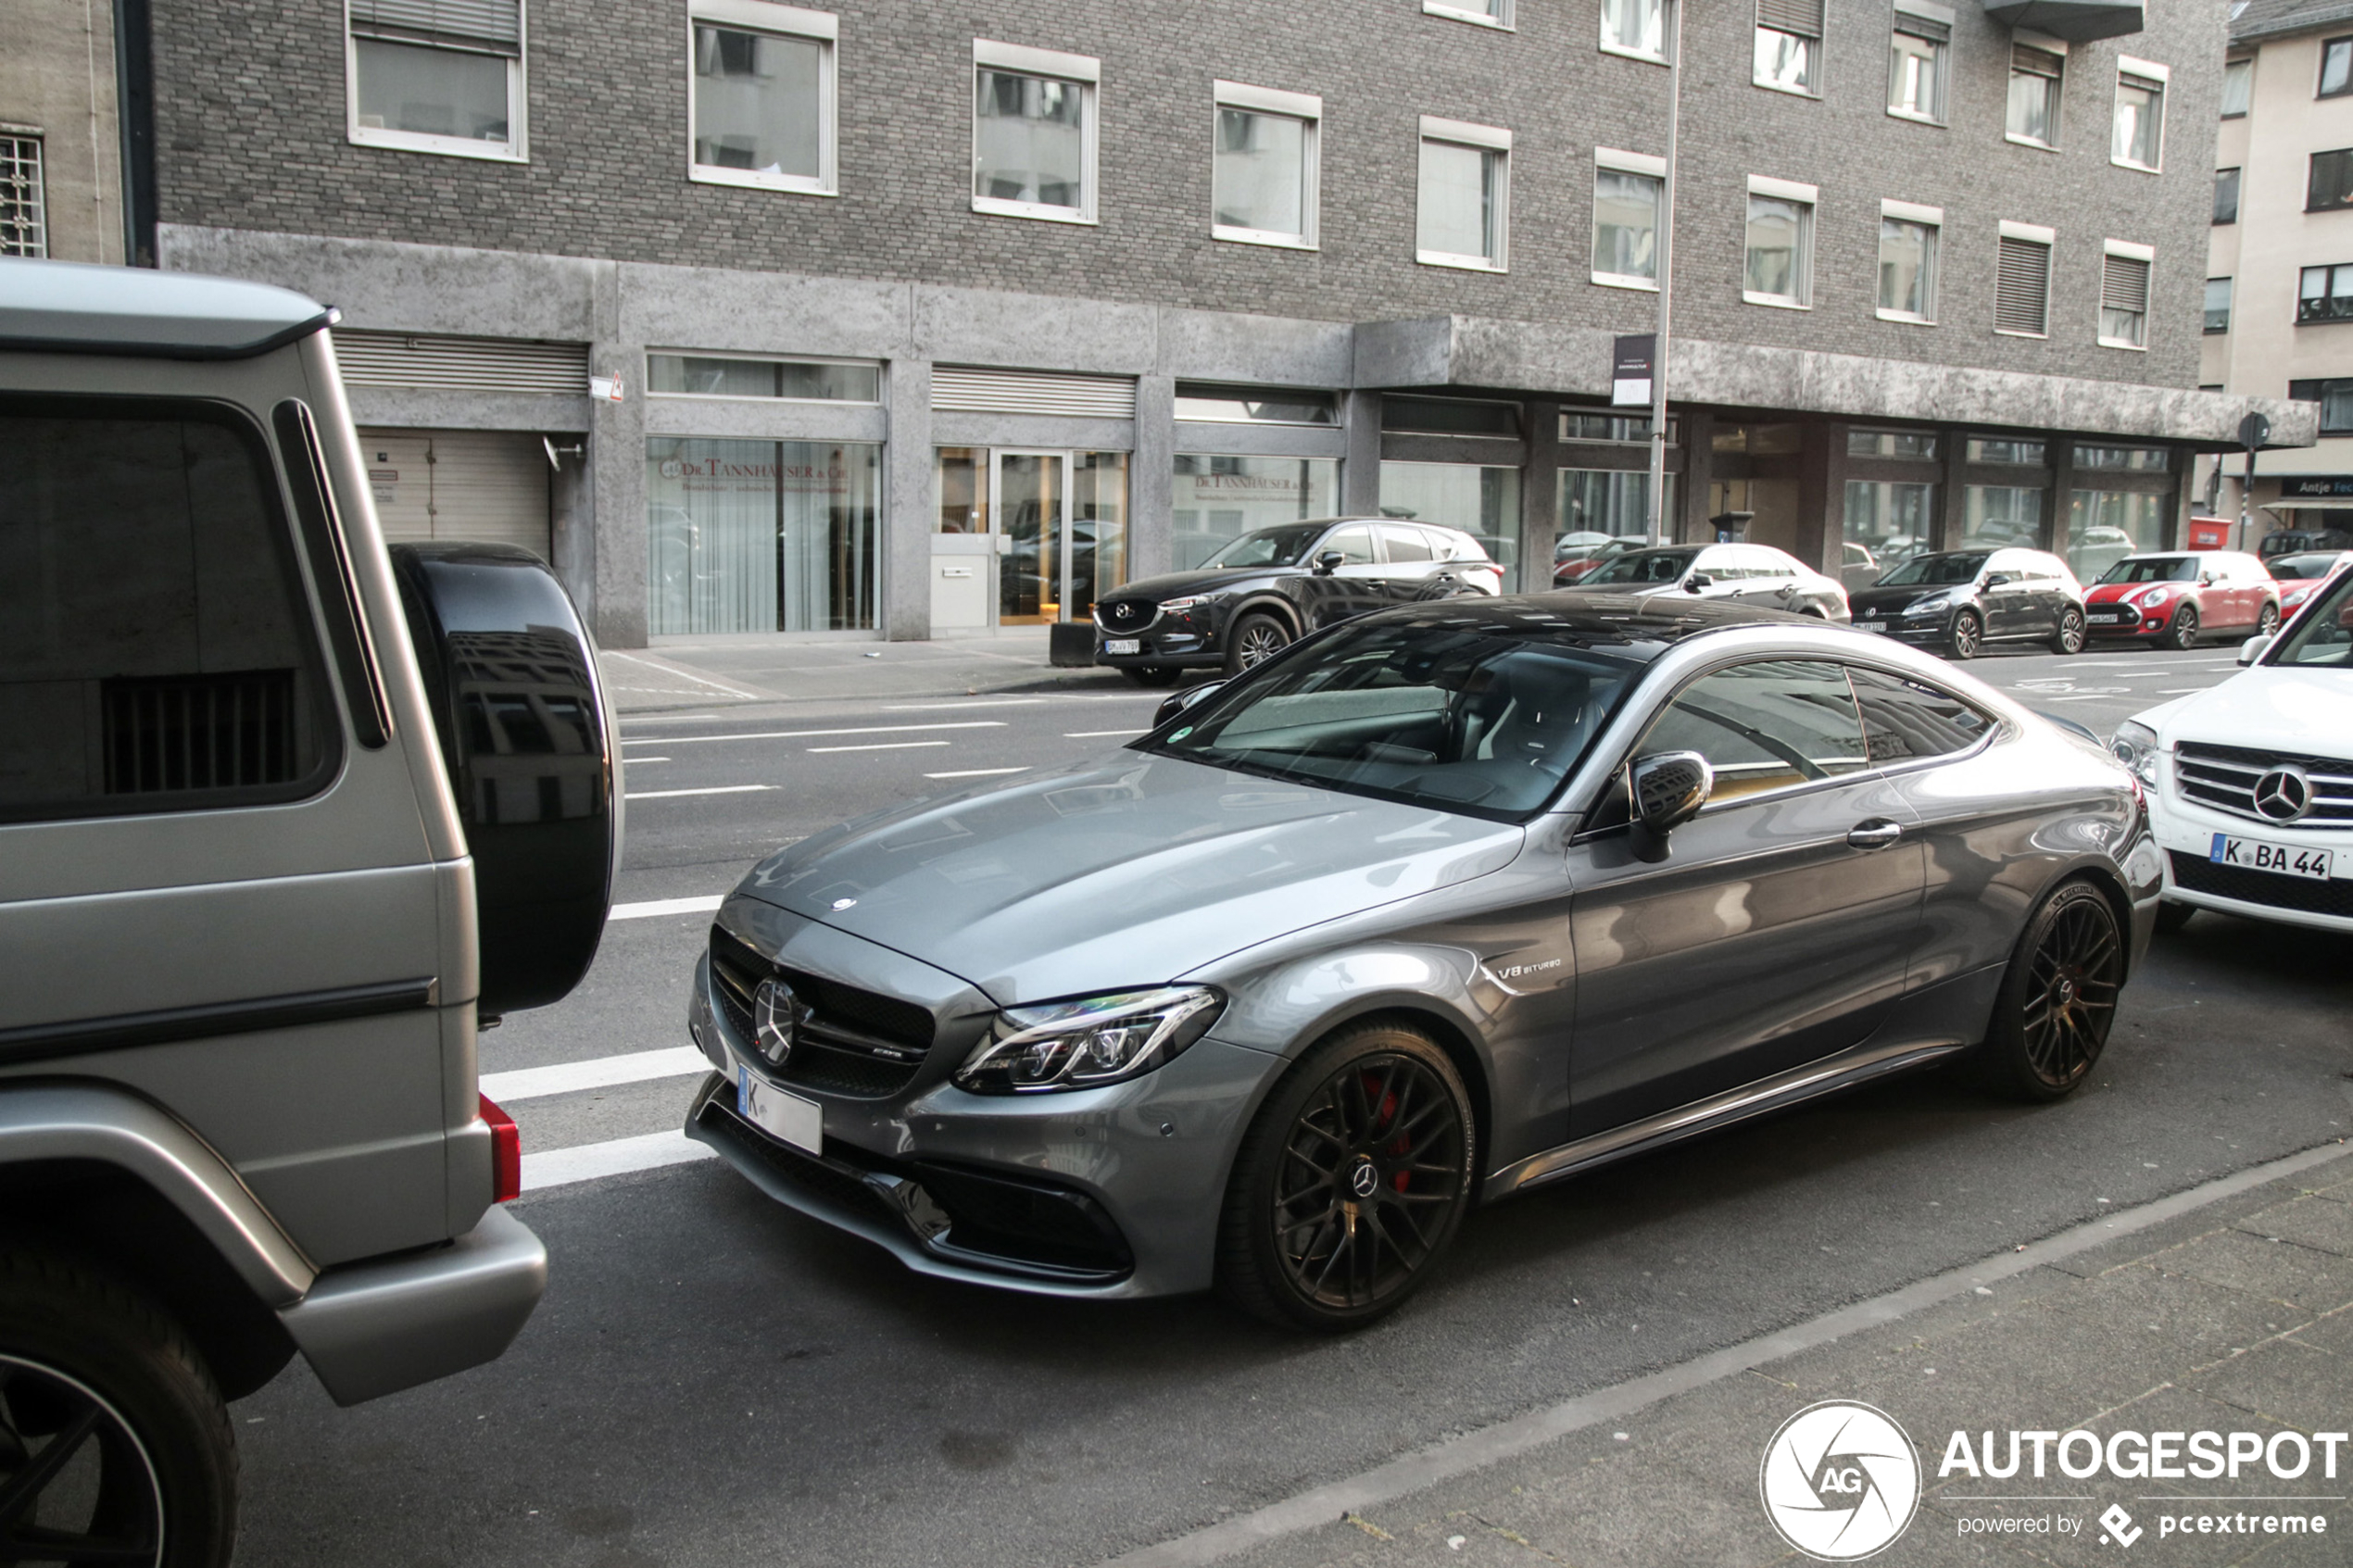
<point x="1819" y="57"/>
<point x="1084" y="71"/>
<point x="1932" y="218"/>
<point x="1621" y="162"/>
<point x="2034" y="233"/>
<point x="2146" y="256"/>
<point x="785" y="21"/>
<point x="2048" y="45"/>
<point x="517" y="148"/>
<point x="1929" y="10"/>
<point x="1783" y="190"/>
<point x="2148" y="71"/>
<point x="1624" y="53"/>
<point x="1306" y="106"/>
<point x="652" y="354"/>
<point x="1504" y="21"/>
<point x="1487" y="138"/>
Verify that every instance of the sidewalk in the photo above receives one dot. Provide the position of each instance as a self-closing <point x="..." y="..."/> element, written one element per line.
<point x="2232" y="1316"/>
<point x="725" y="675"/>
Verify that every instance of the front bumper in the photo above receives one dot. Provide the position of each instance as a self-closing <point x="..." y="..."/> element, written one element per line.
<point x="2186" y="836"/>
<point x="2130" y="622"/>
<point x="1922" y="631"/>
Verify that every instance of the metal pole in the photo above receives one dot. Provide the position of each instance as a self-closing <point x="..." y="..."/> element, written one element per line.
<point x="1657" y="498"/>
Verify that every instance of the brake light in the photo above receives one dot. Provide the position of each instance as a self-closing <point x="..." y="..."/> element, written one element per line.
<point x="506" y="1152"/>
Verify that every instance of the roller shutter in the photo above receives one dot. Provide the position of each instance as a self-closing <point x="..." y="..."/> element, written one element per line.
<point x="478" y="484"/>
<point x="1032" y="391"/>
<point x="462" y="364"/>
<point x="2023" y="287"/>
<point x="1803" y="17"/>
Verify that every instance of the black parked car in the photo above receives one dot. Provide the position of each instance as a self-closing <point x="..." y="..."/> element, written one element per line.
<point x="1959" y="601"/>
<point x="1264" y="590"/>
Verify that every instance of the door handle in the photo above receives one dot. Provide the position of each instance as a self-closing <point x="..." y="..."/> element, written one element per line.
<point x="1876" y="834"/>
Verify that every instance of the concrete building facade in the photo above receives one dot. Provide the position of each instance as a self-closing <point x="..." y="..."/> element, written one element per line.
<point x="901" y="319"/>
<point x="61" y="132"/>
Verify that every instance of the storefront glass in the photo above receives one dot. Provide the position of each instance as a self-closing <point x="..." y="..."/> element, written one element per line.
<point x="1887" y="523"/>
<point x="1217" y="498"/>
<point x="1098" y="528"/>
<point x="1598" y="504"/>
<point x="760" y="535"/>
<point x="2104" y="526"/>
<point x="1995" y="515"/>
<point x="1482" y="502"/>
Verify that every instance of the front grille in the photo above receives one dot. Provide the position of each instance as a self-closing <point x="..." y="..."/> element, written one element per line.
<point x="2334" y="896"/>
<point x="854" y="1042"/>
<point x="2125" y="616"/>
<point x="1126" y="617"/>
<point x="2225" y="778"/>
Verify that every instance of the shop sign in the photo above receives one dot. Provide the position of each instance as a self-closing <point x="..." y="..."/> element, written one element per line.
<point x="2315" y="486"/>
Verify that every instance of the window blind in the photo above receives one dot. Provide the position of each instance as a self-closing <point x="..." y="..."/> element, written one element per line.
<point x="2124" y="284"/>
<point x="1803" y="17"/>
<point x="498" y="23"/>
<point x="2036" y="62"/>
<point x="472" y="364"/>
<point x="1924" y="27"/>
<point x="2023" y="287"/>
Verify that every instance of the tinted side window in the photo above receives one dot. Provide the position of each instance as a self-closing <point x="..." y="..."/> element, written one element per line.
<point x="155" y="649"/>
<point x="1902" y="720"/>
<point x="1406" y="544"/>
<point x="1765" y="726"/>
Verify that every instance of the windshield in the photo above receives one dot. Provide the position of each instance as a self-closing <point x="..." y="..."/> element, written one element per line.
<point x="2288" y="568"/>
<point x="2323" y="635"/>
<point x="1922" y="571"/>
<point x="1287" y="546"/>
<point x="1642" y="566"/>
<point x="2153" y="568"/>
<point x="1457" y="719"/>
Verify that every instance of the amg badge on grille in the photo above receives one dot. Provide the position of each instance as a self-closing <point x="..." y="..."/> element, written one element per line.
<point x="777" y="1016"/>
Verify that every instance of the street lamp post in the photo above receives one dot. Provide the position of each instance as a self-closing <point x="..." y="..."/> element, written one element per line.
<point x="1672" y="20"/>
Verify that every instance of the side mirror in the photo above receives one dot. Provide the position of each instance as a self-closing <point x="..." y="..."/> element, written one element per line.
<point x="1668" y="789"/>
<point x="2205" y="580"/>
<point x="1998" y="578"/>
<point x="2252" y="649"/>
<point x="1330" y="562"/>
<point x="1177" y="702"/>
<point x="1697" y="581"/>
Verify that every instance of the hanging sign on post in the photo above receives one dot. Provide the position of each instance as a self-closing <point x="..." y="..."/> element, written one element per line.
<point x="1629" y="373"/>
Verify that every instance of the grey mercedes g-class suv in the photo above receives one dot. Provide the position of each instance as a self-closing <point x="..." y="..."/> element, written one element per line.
<point x="284" y="819"/>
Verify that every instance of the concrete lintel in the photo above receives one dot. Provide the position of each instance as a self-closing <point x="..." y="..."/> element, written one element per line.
<point x="949" y="429"/>
<point x="418" y="408"/>
<point x="1220" y="345"/>
<point x="1034" y="332"/>
<point x="764" y="419"/>
<point x="755" y="312"/>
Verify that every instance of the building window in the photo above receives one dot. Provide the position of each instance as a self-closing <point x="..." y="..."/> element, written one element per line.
<point x="2133" y="460"/>
<point x="1889" y="523"/>
<point x="1263" y="168"/>
<point x="1635" y="26"/>
<point x="1919" y="62"/>
<point x="2238" y="87"/>
<point x="1465" y="195"/>
<point x="1780" y="269"/>
<point x="24" y="226"/>
<point x="1483" y="502"/>
<point x="2226" y="195"/>
<point x="1908" y="240"/>
<point x="2336" y="68"/>
<point x="2329" y="184"/>
<point x="1486" y="13"/>
<point x="2003" y="452"/>
<point x="2218" y="305"/>
<point x="1916" y="446"/>
<point x="1207" y="404"/>
<point x="1451" y="416"/>
<point x="1627" y="191"/>
<point x="1619" y="430"/>
<point x="2035" y="76"/>
<point x="1789" y="45"/>
<point x="1594" y="506"/>
<point x="2124" y="294"/>
<point x="2139" y="139"/>
<point x="2104" y="526"/>
<point x="2325" y="293"/>
<point x="761" y="96"/>
<point x="1033" y="132"/>
<point x="437" y="79"/>
<point x="2023" y="281"/>
<point x="729" y="375"/>
<point x="1219" y="498"/>
<point x="761" y="536"/>
<point x="1996" y="515"/>
<point x="2336" y="397"/>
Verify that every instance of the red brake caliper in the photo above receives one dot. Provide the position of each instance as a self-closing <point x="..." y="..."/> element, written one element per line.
<point x="1401" y="1144"/>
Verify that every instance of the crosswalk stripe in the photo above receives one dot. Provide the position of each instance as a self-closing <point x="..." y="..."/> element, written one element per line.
<point x="588" y="1161"/>
<point x="596" y="1072"/>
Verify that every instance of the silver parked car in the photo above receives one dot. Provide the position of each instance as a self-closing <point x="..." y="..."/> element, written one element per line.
<point x="1438" y="906"/>
<point x="1750" y="574"/>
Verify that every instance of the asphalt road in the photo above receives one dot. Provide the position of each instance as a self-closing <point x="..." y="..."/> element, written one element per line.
<point x="714" y="1380"/>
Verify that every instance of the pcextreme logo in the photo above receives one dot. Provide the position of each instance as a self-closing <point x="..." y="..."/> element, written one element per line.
<point x="1841" y="1481"/>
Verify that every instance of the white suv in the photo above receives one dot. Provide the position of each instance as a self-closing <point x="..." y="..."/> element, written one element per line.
<point x="2251" y="784"/>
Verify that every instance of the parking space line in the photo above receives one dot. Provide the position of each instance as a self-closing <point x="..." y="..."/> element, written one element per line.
<point x="652" y="907"/>
<point x="976" y="773"/>
<point x="588" y="1161"/>
<point x="716" y="789"/>
<point x="596" y="1072"/>
<point x="813" y="735"/>
<point x="1093" y="734"/>
<point x="880" y="745"/>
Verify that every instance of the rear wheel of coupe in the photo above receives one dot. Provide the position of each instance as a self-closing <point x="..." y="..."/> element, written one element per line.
<point x="1350" y="1184"/>
<point x="1254" y="639"/>
<point x="2052" y="1016"/>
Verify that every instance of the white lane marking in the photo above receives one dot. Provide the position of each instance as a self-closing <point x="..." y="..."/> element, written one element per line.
<point x="633" y="760"/>
<point x="2184" y="691"/>
<point x="884" y="745"/>
<point x="587" y="1162"/>
<point x="813" y="734"/>
<point x="629" y="718"/>
<point x="716" y="789"/>
<point x="597" y="1073"/>
<point x="667" y="668"/>
<point x="976" y="773"/>
<point x="968" y="702"/>
<point x="654" y="906"/>
<point x="1093" y="734"/>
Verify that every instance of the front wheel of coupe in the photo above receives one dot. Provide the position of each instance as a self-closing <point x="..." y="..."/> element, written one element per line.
<point x="2052" y="1016"/>
<point x="1350" y="1184"/>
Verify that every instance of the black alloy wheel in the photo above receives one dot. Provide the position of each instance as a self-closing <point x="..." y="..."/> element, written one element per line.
<point x="2182" y="633"/>
<point x="2269" y="621"/>
<point x="1350" y="1185"/>
<point x="2059" y="998"/>
<point x="1150" y="674"/>
<point x="1966" y="636"/>
<point x="2069" y="636"/>
<point x="1253" y="640"/>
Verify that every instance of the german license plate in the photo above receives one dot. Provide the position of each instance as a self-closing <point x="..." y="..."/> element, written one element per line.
<point x="1870" y="626"/>
<point x="2257" y="856"/>
<point x="1122" y="644"/>
<point x="2104" y="617"/>
<point x="784" y="1117"/>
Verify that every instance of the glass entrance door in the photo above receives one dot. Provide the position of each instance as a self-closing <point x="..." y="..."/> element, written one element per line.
<point x="1030" y="498"/>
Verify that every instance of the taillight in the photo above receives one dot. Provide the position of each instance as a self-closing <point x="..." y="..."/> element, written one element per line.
<point x="506" y="1152"/>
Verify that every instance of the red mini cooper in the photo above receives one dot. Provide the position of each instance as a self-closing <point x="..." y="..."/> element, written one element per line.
<point x="2174" y="598"/>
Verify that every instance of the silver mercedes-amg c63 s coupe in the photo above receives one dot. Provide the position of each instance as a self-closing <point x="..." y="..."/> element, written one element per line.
<point x="1436" y="906"/>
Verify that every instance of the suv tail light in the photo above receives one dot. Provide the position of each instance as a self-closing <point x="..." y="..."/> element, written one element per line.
<point x="506" y="1152"/>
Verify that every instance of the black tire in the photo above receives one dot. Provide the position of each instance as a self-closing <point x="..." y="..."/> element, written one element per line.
<point x="2051" y="1018"/>
<point x="2267" y="623"/>
<point x="1967" y="635"/>
<point x="1253" y="639"/>
<point x="2069" y="638"/>
<point x="1150" y="674"/>
<point x="2171" y="915"/>
<point x="2182" y="633"/>
<point x="1383" y="1105"/>
<point x="150" y="1461"/>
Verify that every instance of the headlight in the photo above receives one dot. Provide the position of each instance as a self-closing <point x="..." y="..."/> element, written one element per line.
<point x="1079" y="1045"/>
<point x="2135" y="747"/>
<point x="1183" y="604"/>
<point x="1935" y="604"/>
<point x="2152" y="597"/>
